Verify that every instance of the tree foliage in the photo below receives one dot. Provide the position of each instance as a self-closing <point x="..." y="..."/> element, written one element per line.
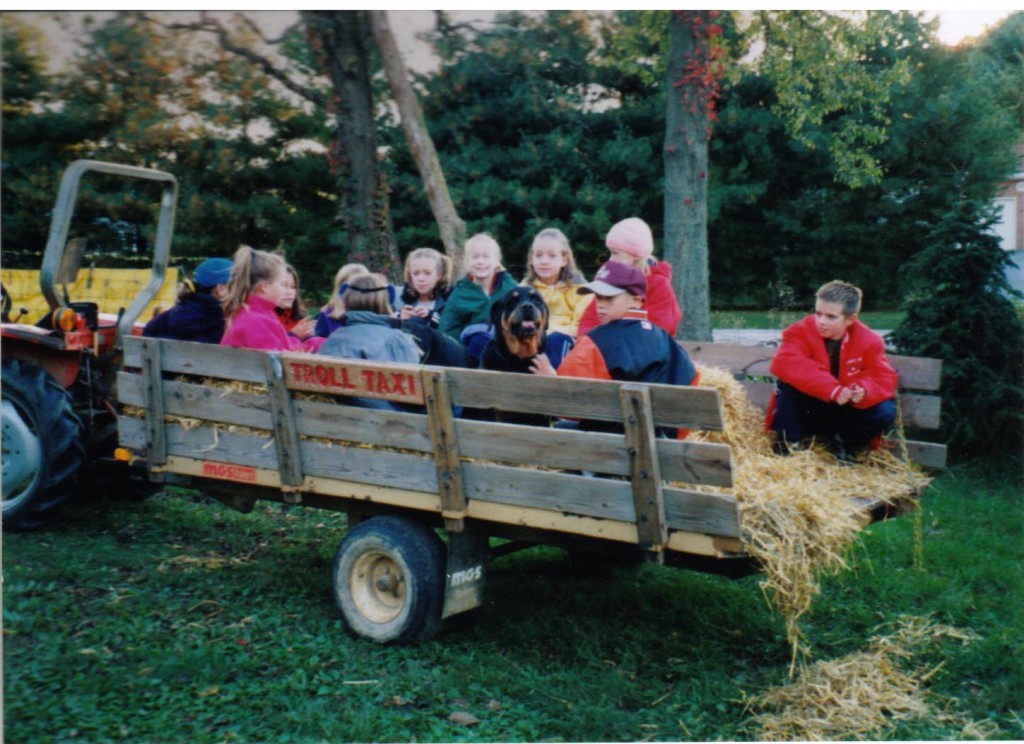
<point x="780" y="206"/>
<point x="534" y="130"/>
<point x="961" y="311"/>
<point x="543" y="119"/>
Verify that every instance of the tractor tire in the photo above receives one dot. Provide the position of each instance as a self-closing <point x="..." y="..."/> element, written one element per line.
<point x="43" y="444"/>
<point x="388" y="578"/>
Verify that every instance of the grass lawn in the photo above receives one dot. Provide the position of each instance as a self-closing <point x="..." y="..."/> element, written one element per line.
<point x="176" y="619"/>
<point x="743" y="319"/>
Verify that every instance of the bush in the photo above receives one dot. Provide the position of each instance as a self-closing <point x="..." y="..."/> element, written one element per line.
<point x="962" y="311"/>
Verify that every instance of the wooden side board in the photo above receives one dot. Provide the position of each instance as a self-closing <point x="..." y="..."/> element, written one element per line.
<point x="247" y="457"/>
<point x="292" y="426"/>
<point x="919" y="382"/>
<point x="533" y="447"/>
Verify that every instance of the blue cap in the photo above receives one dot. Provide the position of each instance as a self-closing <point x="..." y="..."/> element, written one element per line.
<point x="212" y="271"/>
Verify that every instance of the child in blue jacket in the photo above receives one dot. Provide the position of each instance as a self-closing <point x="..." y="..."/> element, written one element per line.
<point x="198" y="314"/>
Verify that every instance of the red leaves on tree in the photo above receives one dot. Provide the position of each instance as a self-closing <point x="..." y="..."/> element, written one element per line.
<point x="702" y="73"/>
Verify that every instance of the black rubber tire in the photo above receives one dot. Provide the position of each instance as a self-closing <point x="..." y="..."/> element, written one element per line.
<point x="388" y="577"/>
<point x="43" y="444"/>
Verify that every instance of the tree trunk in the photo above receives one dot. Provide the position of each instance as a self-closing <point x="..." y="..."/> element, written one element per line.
<point x="449" y="224"/>
<point x="687" y="128"/>
<point x="363" y="213"/>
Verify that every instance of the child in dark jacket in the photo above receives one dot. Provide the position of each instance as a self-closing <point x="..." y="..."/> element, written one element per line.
<point x="834" y="381"/>
<point x="625" y="345"/>
<point x="198" y="314"/>
<point x="428" y="282"/>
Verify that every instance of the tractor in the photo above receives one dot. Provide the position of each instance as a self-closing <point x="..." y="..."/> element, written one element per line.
<point x="59" y="372"/>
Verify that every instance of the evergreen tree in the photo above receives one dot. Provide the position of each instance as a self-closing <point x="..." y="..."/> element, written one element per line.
<point x="961" y="310"/>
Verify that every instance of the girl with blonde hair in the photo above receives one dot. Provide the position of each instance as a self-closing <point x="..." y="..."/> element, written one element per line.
<point x="552" y="272"/>
<point x="330" y="314"/>
<point x="467" y="312"/>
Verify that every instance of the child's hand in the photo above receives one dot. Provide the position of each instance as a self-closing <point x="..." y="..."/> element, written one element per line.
<point x="304" y="328"/>
<point x="541" y="365"/>
<point x="856" y="393"/>
<point x="844" y="396"/>
<point x="408" y="311"/>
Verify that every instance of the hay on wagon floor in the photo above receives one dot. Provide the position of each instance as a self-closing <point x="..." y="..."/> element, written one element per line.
<point x="797" y="513"/>
<point x="862" y="694"/>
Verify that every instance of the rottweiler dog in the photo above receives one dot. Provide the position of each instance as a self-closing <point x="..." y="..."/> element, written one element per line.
<point x="520" y="320"/>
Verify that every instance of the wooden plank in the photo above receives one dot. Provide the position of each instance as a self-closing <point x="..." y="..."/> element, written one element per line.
<point x="644" y="468"/>
<point x="566" y="397"/>
<point x="153" y="397"/>
<point x="602" y="498"/>
<point x="365" y="425"/>
<point x="207" y="442"/>
<point x="568" y="449"/>
<point x="916" y="373"/>
<point x="395" y="382"/>
<point x="286" y="434"/>
<point x="332" y="420"/>
<point x="206" y="402"/>
<point x="705" y="513"/>
<point x="358" y="464"/>
<point x="922" y="411"/>
<point x="739" y="359"/>
<point x="204" y="360"/>
<point x="918" y="410"/>
<point x="447" y="461"/>
<point x="370" y="465"/>
<point x="926" y="454"/>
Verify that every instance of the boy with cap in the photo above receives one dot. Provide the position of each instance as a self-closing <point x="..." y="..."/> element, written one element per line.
<point x="630" y="242"/>
<point x="834" y="381"/>
<point x="198" y="314"/>
<point x="626" y="345"/>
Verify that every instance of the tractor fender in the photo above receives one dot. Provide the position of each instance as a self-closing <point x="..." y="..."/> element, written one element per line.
<point x="42" y="350"/>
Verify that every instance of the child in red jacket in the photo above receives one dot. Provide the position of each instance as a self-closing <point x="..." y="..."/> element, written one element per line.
<point x="834" y="381"/>
<point x="630" y="242"/>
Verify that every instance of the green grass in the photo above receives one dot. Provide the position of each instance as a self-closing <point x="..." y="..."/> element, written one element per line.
<point x="176" y="619"/>
<point x="772" y="319"/>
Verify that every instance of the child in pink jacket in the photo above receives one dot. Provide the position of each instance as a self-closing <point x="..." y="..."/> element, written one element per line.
<point x="630" y="242"/>
<point x="258" y="282"/>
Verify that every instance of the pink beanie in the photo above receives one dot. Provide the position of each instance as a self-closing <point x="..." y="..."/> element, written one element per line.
<point x="631" y="236"/>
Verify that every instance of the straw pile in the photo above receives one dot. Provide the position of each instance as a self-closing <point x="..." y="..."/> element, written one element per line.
<point x="861" y="695"/>
<point x="795" y="511"/>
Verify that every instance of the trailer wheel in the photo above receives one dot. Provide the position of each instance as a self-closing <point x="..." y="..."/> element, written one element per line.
<point x="43" y="444"/>
<point x="388" y="578"/>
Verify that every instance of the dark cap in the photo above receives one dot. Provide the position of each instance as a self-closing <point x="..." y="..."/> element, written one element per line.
<point x="614" y="278"/>
<point x="212" y="271"/>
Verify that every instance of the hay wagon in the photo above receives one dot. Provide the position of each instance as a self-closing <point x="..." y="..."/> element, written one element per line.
<point x="245" y="425"/>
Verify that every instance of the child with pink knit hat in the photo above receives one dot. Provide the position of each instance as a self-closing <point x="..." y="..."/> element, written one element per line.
<point x="630" y="242"/>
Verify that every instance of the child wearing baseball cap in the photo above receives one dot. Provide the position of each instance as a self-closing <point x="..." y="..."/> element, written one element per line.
<point x="631" y="242"/>
<point x="197" y="314"/>
<point x="625" y="345"/>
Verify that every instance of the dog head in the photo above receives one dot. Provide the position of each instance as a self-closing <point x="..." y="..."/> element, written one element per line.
<point x="521" y="318"/>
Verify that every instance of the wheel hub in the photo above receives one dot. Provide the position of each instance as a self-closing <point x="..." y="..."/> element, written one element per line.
<point x="22" y="455"/>
<point x="378" y="587"/>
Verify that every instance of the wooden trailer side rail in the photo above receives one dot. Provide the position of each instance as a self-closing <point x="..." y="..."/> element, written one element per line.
<point x="286" y="429"/>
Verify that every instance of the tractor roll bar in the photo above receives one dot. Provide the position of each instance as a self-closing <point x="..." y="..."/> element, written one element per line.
<point x="64" y="210"/>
